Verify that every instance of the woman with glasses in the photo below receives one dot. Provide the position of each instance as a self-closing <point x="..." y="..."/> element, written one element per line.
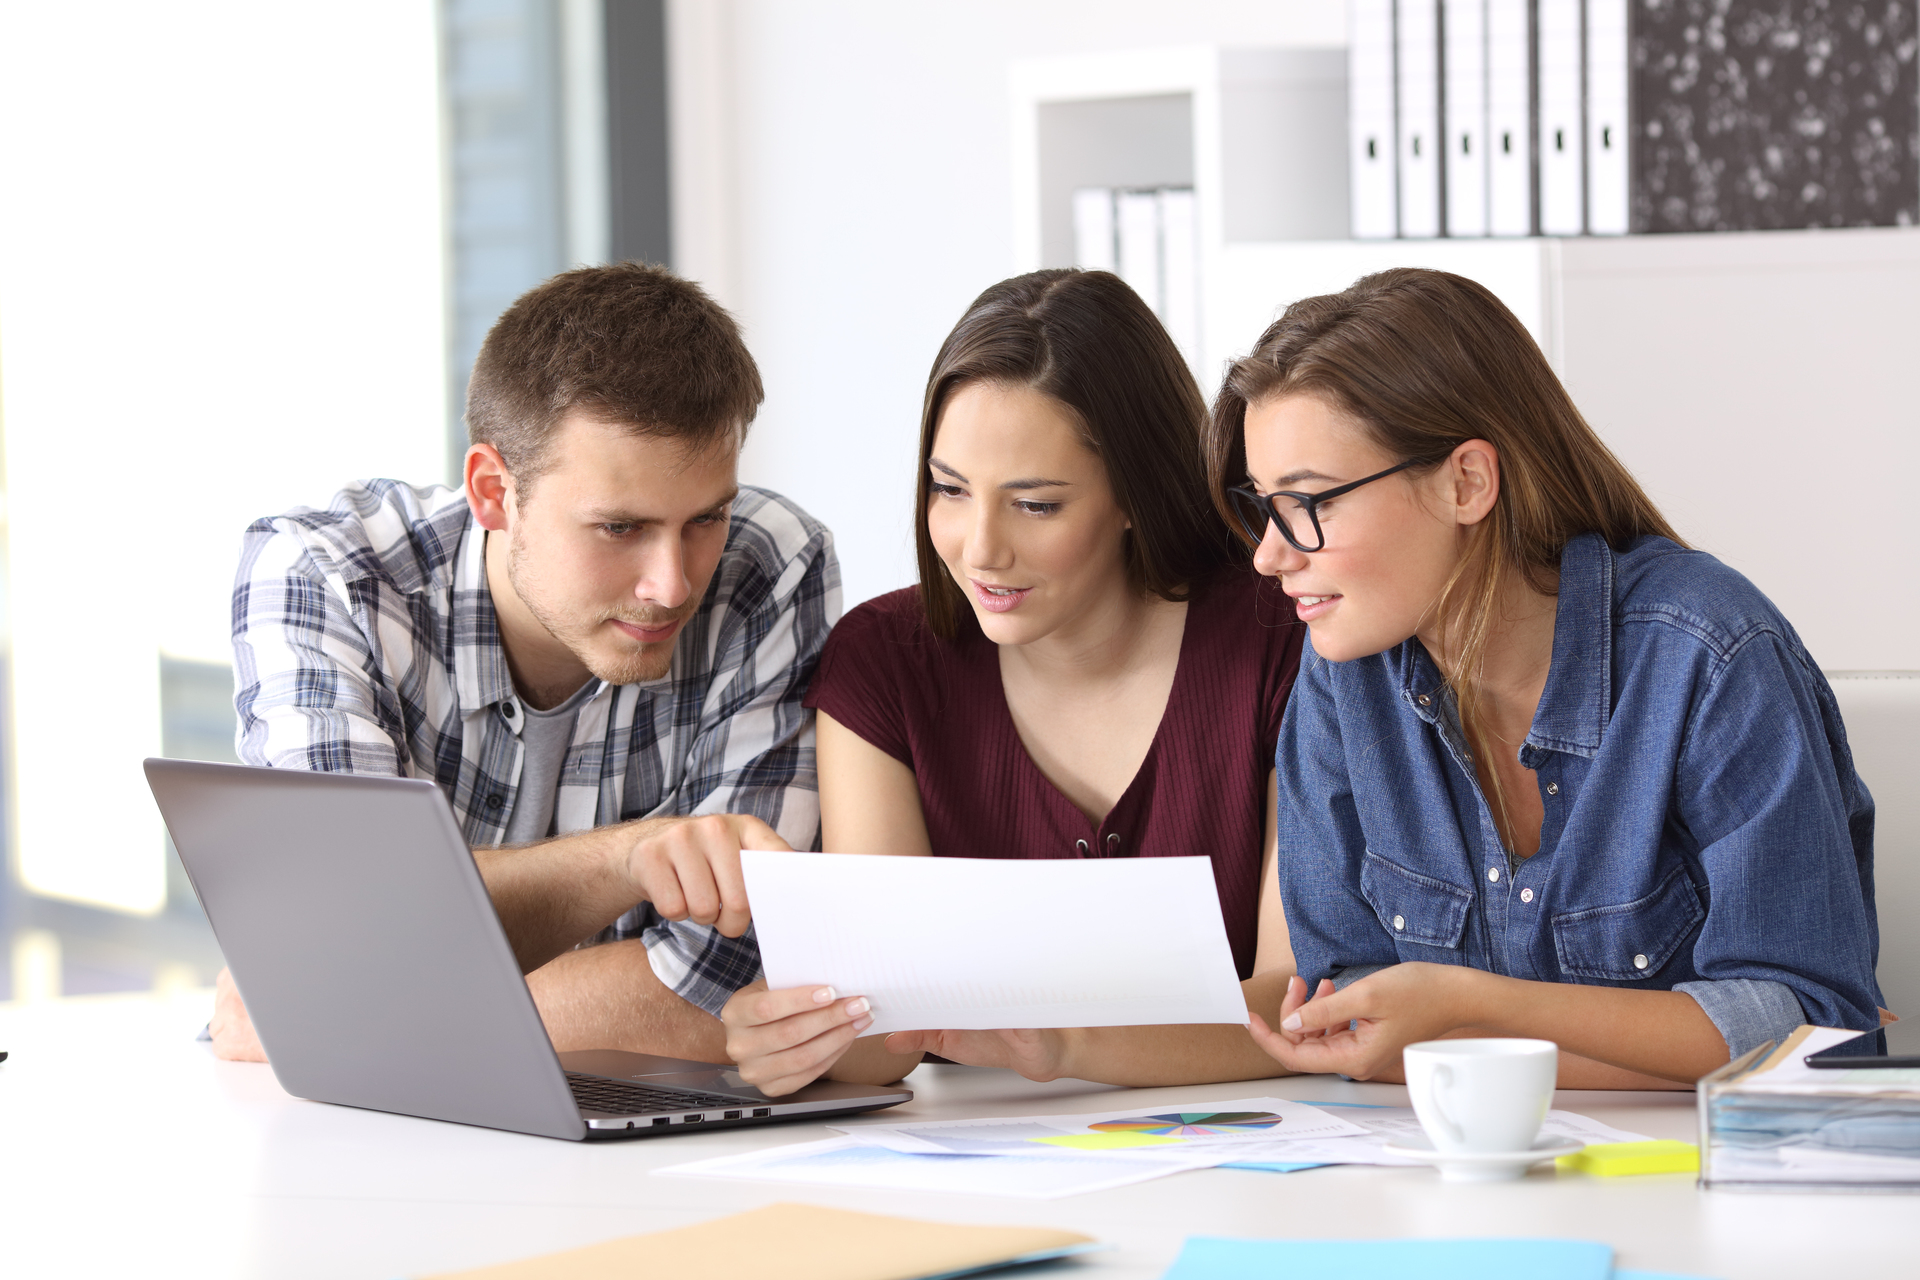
<point x="1546" y="772"/>
<point x="1088" y="669"/>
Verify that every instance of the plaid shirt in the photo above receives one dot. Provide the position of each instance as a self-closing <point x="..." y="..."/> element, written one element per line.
<point x="365" y="641"/>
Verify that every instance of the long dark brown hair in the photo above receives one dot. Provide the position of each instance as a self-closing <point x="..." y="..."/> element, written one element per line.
<point x="1087" y="341"/>
<point x="1423" y="361"/>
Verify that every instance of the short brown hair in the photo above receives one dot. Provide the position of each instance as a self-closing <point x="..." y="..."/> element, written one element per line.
<point x="1086" y="340"/>
<point x="1424" y="361"/>
<point x="631" y="344"/>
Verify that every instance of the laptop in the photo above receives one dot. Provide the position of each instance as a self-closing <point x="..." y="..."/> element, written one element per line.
<point x="377" y="975"/>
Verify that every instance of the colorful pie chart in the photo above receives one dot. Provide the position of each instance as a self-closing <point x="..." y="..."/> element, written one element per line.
<point x="1192" y="1124"/>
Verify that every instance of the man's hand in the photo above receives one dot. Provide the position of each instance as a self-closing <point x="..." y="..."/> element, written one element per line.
<point x="233" y="1034"/>
<point x="691" y="870"/>
<point x="781" y="1040"/>
<point x="1036" y="1054"/>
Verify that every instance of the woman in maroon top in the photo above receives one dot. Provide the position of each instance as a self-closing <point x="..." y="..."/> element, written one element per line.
<point x="1088" y="669"/>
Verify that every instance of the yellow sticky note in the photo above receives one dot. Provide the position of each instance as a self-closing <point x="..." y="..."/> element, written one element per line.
<point x="1105" y="1141"/>
<point x="1617" y="1159"/>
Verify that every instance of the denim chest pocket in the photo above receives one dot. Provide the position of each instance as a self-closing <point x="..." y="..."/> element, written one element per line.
<point x="1631" y="941"/>
<point x="1414" y="907"/>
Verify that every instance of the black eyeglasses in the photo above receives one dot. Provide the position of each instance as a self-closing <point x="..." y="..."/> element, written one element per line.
<point x="1296" y="514"/>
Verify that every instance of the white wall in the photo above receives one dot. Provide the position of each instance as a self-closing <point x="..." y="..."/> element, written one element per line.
<point x="220" y="296"/>
<point x="843" y="179"/>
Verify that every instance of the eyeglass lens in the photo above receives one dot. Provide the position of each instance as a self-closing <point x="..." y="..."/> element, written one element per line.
<point x="1295" y="523"/>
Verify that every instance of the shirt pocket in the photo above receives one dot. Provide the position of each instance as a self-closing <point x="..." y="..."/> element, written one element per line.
<point x="1631" y="941"/>
<point x="1414" y="907"/>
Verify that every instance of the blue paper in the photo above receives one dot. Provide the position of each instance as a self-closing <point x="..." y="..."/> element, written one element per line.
<point x="1270" y="1166"/>
<point x="1214" y="1258"/>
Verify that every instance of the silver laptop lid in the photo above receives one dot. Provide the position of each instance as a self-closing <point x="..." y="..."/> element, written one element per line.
<point x="364" y="943"/>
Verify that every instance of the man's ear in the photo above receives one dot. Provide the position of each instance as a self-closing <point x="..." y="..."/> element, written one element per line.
<point x="490" y="489"/>
<point x="1476" y="481"/>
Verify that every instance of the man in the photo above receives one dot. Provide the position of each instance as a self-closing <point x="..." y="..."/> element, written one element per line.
<point x="597" y="648"/>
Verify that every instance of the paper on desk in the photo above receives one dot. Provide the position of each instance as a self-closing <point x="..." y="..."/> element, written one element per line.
<point x="1786" y="1069"/>
<point x="1214" y="1258"/>
<point x="1399" y="1124"/>
<point x="799" y="1242"/>
<point x="1225" y="1127"/>
<point x="982" y="943"/>
<point x="1045" y="1175"/>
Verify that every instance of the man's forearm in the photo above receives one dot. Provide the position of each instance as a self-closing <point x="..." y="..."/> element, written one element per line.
<point x="554" y="895"/>
<point x="607" y="997"/>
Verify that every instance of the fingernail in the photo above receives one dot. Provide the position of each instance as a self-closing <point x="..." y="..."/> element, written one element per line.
<point x="858" y="1006"/>
<point x="825" y="995"/>
<point x="1292" y="1023"/>
<point x="863" y="1024"/>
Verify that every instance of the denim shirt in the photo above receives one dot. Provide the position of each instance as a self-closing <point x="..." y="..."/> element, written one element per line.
<point x="1705" y="829"/>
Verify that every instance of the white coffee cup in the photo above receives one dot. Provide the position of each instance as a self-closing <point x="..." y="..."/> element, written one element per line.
<point x="1481" y="1096"/>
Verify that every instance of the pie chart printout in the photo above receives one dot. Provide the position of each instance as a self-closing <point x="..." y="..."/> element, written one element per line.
<point x="1192" y="1124"/>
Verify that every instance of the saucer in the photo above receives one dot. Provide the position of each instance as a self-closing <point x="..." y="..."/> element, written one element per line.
<point x="1485" y="1166"/>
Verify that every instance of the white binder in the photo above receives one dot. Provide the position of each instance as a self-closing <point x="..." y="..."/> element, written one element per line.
<point x="1372" y="183"/>
<point x="1609" y="176"/>
<point x="1417" y="52"/>
<point x="1137" y="216"/>
<point x="1510" y="187"/>
<point x="1562" y="140"/>
<point x="1180" y="271"/>
<point x="1464" y="54"/>
<point x="1093" y="232"/>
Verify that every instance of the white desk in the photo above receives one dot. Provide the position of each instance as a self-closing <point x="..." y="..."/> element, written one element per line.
<point x="127" y="1150"/>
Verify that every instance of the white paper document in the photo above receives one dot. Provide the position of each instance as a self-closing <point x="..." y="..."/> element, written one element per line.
<point x="1224" y="1127"/>
<point x="1398" y="1124"/>
<point x="975" y="944"/>
<point x="842" y="1162"/>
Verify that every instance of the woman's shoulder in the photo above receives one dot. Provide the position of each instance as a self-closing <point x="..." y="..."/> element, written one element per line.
<point x="1690" y="597"/>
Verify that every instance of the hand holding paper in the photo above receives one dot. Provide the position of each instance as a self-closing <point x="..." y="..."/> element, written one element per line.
<point x="981" y="943"/>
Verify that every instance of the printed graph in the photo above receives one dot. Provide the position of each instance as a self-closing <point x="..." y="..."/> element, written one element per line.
<point x="1191" y="1124"/>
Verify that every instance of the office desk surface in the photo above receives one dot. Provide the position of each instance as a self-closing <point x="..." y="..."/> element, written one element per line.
<point x="126" y="1149"/>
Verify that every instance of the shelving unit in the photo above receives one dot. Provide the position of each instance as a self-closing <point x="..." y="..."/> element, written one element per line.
<point x="1733" y="373"/>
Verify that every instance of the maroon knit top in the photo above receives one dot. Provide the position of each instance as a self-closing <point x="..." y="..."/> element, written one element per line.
<point x="939" y="708"/>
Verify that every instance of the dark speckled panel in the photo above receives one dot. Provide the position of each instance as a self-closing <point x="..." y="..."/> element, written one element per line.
<point x="1753" y="116"/>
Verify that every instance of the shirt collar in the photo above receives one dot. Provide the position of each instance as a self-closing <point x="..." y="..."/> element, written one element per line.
<point x="480" y="670"/>
<point x="1575" y="705"/>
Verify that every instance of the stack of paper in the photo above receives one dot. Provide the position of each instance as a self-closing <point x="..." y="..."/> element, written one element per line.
<point x="1044" y="1157"/>
<point x="1778" y="1121"/>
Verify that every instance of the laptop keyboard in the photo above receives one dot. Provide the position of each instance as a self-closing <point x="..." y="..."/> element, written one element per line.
<point x="622" y="1098"/>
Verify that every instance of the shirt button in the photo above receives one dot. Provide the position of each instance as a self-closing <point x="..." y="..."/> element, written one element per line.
<point x="1425" y="701"/>
<point x="1399" y="922"/>
<point x="1526" y="895"/>
<point x="1493" y="874"/>
<point x="1639" y="962"/>
<point x="494" y="802"/>
<point x="1553" y="788"/>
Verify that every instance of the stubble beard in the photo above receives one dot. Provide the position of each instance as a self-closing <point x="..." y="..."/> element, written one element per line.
<point x="633" y="667"/>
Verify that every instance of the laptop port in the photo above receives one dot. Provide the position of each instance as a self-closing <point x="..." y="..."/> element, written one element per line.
<point x="731" y="1115"/>
<point x="762" y="1111"/>
<point x="660" y="1120"/>
<point x="692" y="1119"/>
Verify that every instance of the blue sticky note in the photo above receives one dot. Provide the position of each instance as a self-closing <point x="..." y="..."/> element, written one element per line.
<point x="1214" y="1258"/>
<point x="1271" y="1166"/>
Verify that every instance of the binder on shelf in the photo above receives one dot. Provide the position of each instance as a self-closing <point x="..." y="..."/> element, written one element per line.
<point x="1609" y="172"/>
<point x="1417" y="55"/>
<point x="1562" y="140"/>
<point x="1137" y="241"/>
<point x="1180" y="271"/>
<point x="1510" y="132"/>
<point x="1372" y="145"/>
<point x="1093" y="231"/>
<point x="1464" y="54"/>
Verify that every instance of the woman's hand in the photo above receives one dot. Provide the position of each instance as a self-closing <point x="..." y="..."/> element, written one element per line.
<point x="1389" y="1010"/>
<point x="781" y="1040"/>
<point x="1037" y="1055"/>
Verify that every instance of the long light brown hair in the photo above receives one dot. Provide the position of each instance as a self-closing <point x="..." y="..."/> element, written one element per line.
<point x="1087" y="341"/>
<point x="1423" y="361"/>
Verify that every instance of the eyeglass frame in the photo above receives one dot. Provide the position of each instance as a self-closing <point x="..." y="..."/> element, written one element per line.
<point x="1309" y="503"/>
